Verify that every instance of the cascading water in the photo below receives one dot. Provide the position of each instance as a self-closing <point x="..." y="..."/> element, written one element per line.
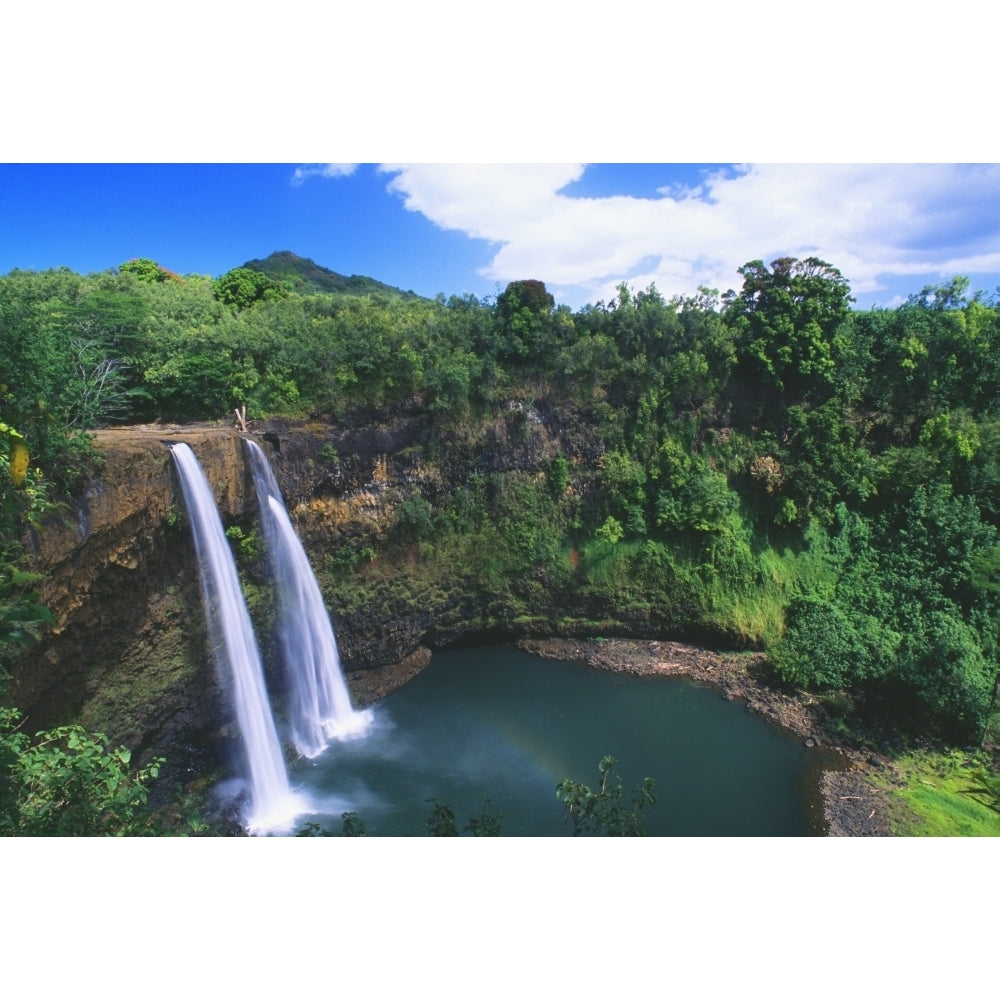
<point x="321" y="705"/>
<point x="272" y="805"/>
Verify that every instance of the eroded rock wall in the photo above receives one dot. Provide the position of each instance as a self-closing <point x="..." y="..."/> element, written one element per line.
<point x="127" y="655"/>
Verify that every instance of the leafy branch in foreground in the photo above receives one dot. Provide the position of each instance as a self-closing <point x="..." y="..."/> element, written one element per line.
<point x="605" y="812"/>
<point x="352" y="826"/>
<point x="441" y="822"/>
<point x="20" y="612"/>
<point x="68" y="782"/>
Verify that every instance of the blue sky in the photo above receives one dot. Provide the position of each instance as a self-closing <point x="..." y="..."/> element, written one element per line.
<point x="582" y="229"/>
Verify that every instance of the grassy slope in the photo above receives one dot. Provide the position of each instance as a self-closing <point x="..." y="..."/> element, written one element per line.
<point x="938" y="795"/>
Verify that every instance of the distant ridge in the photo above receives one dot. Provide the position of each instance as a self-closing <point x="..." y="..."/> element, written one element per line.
<point x="305" y="276"/>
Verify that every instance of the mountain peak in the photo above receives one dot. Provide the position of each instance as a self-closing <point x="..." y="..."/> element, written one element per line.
<point x="306" y="276"/>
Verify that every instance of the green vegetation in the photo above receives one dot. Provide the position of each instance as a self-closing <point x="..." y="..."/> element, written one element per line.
<point x="604" y="812"/>
<point x="305" y="277"/>
<point x="23" y="501"/>
<point x="944" y="795"/>
<point x="241" y="287"/>
<point x="67" y="782"/>
<point x="769" y="468"/>
<point x="441" y="821"/>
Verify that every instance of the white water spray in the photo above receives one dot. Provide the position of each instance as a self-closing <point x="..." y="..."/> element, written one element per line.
<point x="272" y="806"/>
<point x="321" y="705"/>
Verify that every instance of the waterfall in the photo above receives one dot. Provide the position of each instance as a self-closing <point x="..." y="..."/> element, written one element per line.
<point x="320" y="702"/>
<point x="234" y="649"/>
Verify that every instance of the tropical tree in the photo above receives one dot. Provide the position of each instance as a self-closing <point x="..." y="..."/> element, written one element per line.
<point x="242" y="287"/>
<point x="785" y="321"/>
<point x="146" y="270"/>
<point x="524" y="311"/>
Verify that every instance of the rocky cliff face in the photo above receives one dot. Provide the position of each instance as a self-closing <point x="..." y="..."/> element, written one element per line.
<point x="344" y="485"/>
<point x="128" y="656"/>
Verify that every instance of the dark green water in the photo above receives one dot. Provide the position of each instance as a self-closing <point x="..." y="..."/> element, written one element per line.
<point x="497" y="722"/>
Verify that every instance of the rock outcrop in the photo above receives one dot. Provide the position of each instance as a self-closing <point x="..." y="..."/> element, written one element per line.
<point x="127" y="654"/>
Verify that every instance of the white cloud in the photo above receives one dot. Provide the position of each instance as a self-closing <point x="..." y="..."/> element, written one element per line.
<point x="303" y="173"/>
<point x="872" y="221"/>
<point x="495" y="202"/>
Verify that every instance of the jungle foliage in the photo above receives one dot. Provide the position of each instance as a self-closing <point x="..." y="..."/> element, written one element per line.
<point x="775" y="468"/>
<point x="68" y="782"/>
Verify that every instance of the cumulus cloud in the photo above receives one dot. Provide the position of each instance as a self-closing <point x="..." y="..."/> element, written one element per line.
<point x="303" y="173"/>
<point x="873" y="221"/>
<point x="496" y="202"/>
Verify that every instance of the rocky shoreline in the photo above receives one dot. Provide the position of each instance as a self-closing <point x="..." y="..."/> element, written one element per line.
<point x="852" y="806"/>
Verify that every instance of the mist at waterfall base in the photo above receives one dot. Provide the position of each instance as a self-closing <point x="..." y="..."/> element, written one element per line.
<point x="500" y="723"/>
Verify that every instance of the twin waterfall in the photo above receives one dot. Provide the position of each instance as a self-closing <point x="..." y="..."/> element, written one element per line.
<point x="320" y="705"/>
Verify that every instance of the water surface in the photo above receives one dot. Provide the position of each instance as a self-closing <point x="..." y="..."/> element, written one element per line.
<point x="499" y="722"/>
